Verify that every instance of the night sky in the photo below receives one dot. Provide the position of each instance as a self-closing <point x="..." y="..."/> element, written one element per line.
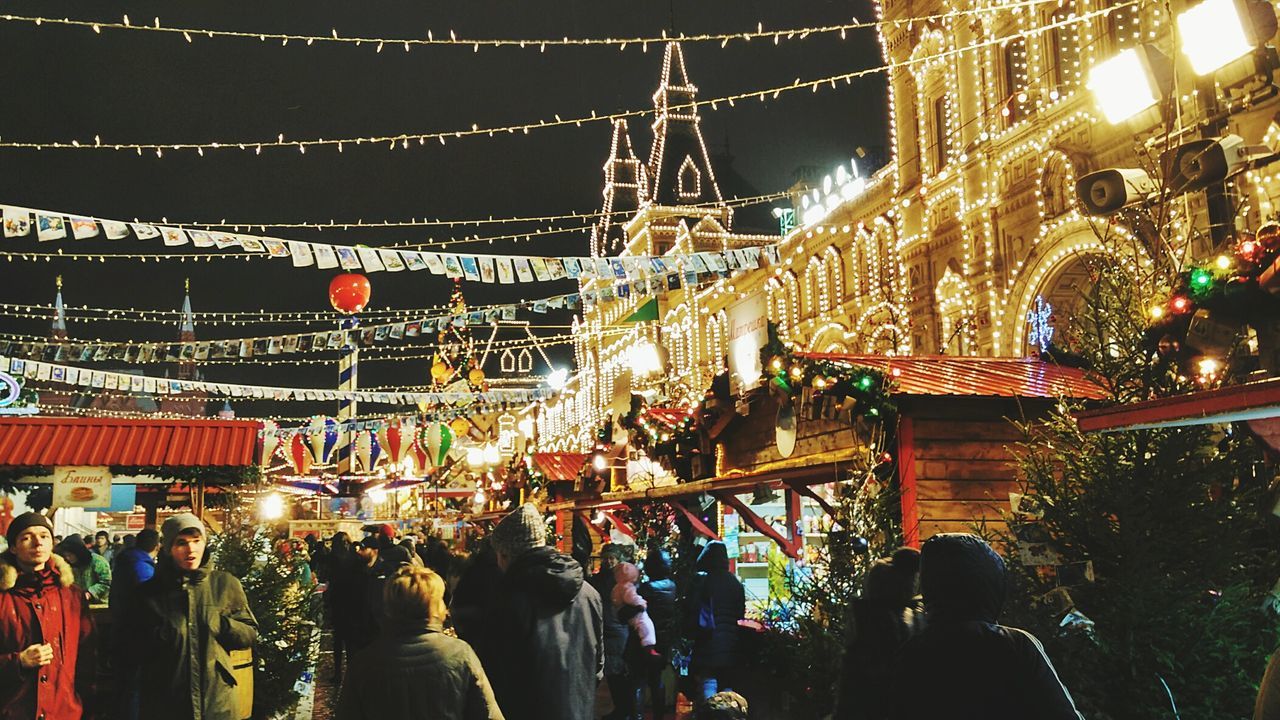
<point x="127" y="86"/>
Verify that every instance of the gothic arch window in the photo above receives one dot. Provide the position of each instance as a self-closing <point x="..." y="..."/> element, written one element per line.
<point x="689" y="180"/>
<point x="792" y="293"/>
<point x="815" y="300"/>
<point x="835" y="280"/>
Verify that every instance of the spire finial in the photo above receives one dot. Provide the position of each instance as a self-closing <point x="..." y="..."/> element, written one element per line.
<point x="186" y="285"/>
<point x="58" y="281"/>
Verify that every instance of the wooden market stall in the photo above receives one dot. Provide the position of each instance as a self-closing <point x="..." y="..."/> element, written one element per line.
<point x="951" y="447"/>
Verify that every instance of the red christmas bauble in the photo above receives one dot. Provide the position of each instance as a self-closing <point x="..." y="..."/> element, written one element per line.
<point x="349" y="293"/>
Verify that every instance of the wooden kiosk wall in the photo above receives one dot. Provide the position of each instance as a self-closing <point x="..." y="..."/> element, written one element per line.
<point x="956" y="461"/>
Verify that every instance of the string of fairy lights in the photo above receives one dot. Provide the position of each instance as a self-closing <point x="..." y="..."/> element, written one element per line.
<point x="451" y="37"/>
<point x="404" y="140"/>
<point x="736" y="202"/>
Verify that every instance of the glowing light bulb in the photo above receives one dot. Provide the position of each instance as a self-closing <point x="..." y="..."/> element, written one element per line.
<point x="272" y="507"/>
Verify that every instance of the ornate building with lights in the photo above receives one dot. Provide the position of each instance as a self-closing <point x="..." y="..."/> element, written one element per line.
<point x="970" y="241"/>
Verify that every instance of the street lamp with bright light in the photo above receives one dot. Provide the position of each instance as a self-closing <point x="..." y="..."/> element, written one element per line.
<point x="1216" y="32"/>
<point x="1124" y="85"/>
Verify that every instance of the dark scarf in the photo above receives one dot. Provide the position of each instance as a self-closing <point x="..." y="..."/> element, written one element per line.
<point x="33" y="583"/>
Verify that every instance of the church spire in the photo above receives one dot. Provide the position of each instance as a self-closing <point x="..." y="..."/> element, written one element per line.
<point x="188" y="317"/>
<point x="59" y="314"/>
<point x="678" y="162"/>
<point x="625" y="190"/>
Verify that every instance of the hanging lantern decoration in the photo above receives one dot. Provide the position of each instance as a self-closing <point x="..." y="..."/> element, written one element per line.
<point x="437" y="439"/>
<point x="476" y="377"/>
<point x="270" y="441"/>
<point x="300" y="455"/>
<point x="440" y="371"/>
<point x="349" y="293"/>
<point x="395" y="438"/>
<point x="460" y="427"/>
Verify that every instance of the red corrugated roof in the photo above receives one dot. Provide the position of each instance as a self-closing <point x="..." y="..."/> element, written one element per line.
<point x="148" y="443"/>
<point x="560" y="466"/>
<point x="977" y="376"/>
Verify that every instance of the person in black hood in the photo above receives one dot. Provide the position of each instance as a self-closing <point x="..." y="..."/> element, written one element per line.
<point x="717" y="602"/>
<point x="548" y="623"/>
<point x="660" y="592"/>
<point x="964" y="665"/>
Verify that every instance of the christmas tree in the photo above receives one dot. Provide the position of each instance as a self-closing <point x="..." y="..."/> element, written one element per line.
<point x="283" y="608"/>
<point x="456" y="366"/>
<point x="1164" y="546"/>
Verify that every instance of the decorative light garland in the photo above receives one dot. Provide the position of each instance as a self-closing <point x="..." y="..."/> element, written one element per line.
<point x="541" y="44"/>
<point x="404" y="139"/>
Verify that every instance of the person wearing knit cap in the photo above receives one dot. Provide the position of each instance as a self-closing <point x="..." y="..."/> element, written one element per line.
<point x="47" y="656"/>
<point x="184" y="622"/>
<point x="542" y="647"/>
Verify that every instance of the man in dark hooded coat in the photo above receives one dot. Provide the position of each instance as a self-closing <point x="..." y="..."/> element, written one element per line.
<point x="546" y="624"/>
<point x="183" y="624"/>
<point x="963" y="665"/>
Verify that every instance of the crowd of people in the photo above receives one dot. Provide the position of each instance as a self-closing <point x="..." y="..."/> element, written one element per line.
<point x="515" y="630"/>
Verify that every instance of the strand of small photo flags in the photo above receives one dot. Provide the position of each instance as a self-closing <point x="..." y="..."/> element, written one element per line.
<point x="500" y="269"/>
<point x="109" y="380"/>
<point x="364" y="336"/>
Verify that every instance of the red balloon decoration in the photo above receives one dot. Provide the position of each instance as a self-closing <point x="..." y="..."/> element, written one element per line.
<point x="349" y="293"/>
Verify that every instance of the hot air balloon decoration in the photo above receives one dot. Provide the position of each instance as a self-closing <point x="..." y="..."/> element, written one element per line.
<point x="437" y="438"/>
<point x="395" y="438"/>
<point x="421" y="457"/>
<point x="368" y="450"/>
<point x="270" y="441"/>
<point x="323" y="436"/>
<point x="300" y="454"/>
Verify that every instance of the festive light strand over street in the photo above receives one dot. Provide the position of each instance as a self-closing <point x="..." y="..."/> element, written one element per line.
<point x="404" y="140"/>
<point x="347" y="225"/>
<point x="451" y="38"/>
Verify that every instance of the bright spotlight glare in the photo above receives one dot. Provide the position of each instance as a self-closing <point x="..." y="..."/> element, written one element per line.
<point x="1121" y="86"/>
<point x="558" y="378"/>
<point x="272" y="507"/>
<point x="1213" y="34"/>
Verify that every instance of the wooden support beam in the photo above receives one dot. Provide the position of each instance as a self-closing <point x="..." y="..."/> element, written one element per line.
<point x="695" y="521"/>
<point x="788" y="546"/>
<point x="622" y="526"/>
<point x="808" y="492"/>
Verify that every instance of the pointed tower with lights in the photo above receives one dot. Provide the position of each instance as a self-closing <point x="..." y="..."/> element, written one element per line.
<point x="187" y="334"/>
<point x="59" y="329"/>
<point x="626" y="188"/>
<point x="678" y="161"/>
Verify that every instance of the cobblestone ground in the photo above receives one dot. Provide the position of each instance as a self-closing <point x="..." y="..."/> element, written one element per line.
<point x="326" y="691"/>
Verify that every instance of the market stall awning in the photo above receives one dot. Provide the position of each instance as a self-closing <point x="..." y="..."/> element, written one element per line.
<point x="943" y="375"/>
<point x="560" y="466"/>
<point x="1250" y="401"/>
<point x="28" y="441"/>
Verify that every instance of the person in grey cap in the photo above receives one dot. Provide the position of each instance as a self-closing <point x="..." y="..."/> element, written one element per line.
<point x="542" y="647"/>
<point x="183" y="624"/>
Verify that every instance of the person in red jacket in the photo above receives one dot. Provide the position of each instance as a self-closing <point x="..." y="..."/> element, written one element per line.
<point x="46" y="651"/>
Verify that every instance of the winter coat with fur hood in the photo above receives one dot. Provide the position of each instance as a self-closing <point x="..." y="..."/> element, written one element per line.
<point x="183" y="627"/>
<point x="44" y="607"/>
